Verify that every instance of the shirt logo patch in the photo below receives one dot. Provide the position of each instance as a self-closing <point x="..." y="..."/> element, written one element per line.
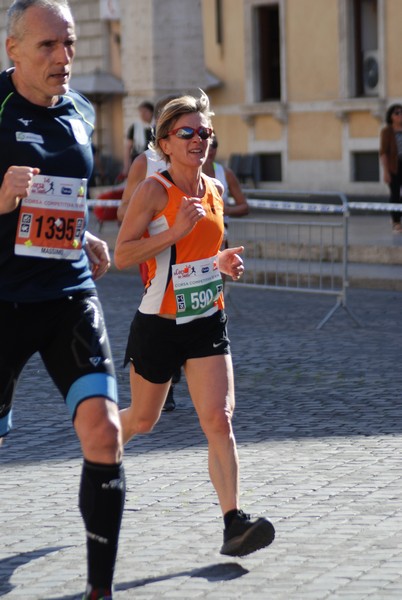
<point x="25" y="122"/>
<point x="79" y="131"/>
<point x="31" y="138"/>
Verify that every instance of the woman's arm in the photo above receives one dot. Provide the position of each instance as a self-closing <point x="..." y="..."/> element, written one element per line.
<point x="240" y="208"/>
<point x="149" y="199"/>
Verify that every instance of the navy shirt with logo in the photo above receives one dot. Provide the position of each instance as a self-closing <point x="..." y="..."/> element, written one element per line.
<point x="57" y="140"/>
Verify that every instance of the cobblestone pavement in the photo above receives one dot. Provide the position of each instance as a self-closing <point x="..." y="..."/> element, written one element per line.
<point x="319" y="429"/>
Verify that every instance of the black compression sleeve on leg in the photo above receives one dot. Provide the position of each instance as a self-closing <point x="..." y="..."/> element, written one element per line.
<point x="101" y="502"/>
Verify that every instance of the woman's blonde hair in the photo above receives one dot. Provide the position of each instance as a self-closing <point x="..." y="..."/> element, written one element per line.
<point x="173" y="110"/>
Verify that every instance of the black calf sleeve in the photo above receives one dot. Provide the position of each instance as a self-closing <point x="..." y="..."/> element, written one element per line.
<point x="101" y="503"/>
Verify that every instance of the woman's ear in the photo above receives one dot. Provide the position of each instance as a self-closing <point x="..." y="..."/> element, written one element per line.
<point x="164" y="145"/>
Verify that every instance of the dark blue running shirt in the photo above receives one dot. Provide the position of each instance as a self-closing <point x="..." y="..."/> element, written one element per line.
<point x="57" y="140"/>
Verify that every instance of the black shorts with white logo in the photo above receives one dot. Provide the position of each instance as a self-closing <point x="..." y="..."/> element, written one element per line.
<point x="70" y="335"/>
<point x="158" y="347"/>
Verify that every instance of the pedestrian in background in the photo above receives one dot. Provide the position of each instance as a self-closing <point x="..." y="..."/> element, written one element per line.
<point x="391" y="159"/>
<point x="231" y="186"/>
<point x="139" y="134"/>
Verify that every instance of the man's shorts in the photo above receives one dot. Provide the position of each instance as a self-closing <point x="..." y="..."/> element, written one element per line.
<point x="158" y="347"/>
<point x="70" y="335"/>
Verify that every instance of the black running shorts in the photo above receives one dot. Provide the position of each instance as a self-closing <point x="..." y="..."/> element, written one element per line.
<point x="158" y="347"/>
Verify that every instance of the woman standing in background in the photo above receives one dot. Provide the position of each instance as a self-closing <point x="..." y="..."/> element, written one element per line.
<point x="391" y="159"/>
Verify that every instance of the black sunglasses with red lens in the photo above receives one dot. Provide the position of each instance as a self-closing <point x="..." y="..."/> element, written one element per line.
<point x="186" y="133"/>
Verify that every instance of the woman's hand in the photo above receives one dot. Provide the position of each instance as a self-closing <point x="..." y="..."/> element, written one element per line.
<point x="231" y="263"/>
<point x="189" y="213"/>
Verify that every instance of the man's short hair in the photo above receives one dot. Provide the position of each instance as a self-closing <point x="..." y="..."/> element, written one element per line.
<point x="18" y="7"/>
<point x="148" y="105"/>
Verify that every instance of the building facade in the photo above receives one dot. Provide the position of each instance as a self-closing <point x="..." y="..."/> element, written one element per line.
<point x="305" y="87"/>
<point x="299" y="87"/>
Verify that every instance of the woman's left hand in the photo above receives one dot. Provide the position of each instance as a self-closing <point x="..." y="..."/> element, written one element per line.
<point x="231" y="263"/>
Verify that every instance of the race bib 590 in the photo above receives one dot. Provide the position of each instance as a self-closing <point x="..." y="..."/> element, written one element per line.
<point x="197" y="286"/>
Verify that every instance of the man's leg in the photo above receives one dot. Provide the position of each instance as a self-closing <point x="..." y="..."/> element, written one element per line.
<point x="79" y="360"/>
<point x="8" y="381"/>
<point x="16" y="349"/>
<point x="102" y="490"/>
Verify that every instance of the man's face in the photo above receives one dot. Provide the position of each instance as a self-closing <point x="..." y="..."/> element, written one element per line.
<point x="145" y="114"/>
<point x="43" y="54"/>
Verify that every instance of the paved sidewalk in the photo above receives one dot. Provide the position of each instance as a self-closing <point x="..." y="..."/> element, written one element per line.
<point x="319" y="429"/>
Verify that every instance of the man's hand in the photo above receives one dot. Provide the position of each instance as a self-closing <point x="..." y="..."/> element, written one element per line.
<point x="16" y="184"/>
<point x="98" y="255"/>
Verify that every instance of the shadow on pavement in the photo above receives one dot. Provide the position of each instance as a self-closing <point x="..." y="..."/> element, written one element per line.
<point x="219" y="572"/>
<point x="11" y="563"/>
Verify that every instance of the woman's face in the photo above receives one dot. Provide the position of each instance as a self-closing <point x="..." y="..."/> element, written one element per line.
<point x="187" y="152"/>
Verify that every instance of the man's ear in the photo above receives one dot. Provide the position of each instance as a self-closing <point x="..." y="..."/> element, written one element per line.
<point x="12" y="48"/>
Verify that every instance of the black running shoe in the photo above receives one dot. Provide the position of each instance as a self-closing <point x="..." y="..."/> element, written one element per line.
<point x="170" y="404"/>
<point x="243" y="536"/>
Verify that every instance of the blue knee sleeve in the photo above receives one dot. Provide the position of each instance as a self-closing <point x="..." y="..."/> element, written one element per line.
<point x="91" y="386"/>
<point x="6" y="423"/>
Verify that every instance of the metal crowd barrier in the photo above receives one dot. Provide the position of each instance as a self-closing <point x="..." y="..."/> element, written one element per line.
<point x="298" y="254"/>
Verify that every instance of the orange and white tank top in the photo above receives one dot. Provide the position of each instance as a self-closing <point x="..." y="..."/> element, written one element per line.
<point x="184" y="279"/>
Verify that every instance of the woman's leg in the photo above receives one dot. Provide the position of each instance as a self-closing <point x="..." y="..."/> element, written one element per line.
<point x="147" y="400"/>
<point x="211" y="386"/>
<point x="395" y="195"/>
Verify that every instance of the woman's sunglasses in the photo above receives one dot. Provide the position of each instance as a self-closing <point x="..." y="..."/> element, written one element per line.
<point x="398" y="111"/>
<point x="186" y="133"/>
